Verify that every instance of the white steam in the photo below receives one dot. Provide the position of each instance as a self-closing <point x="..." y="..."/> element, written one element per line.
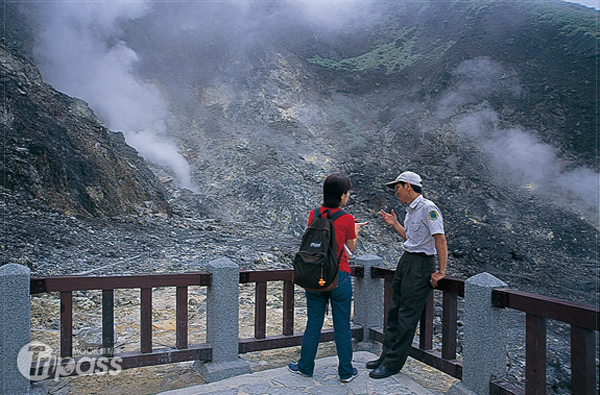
<point x="82" y="52"/>
<point x="518" y="157"/>
<point x="79" y="52"/>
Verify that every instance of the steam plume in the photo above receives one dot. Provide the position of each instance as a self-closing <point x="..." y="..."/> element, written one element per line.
<point x="80" y="52"/>
<point x="518" y="157"/>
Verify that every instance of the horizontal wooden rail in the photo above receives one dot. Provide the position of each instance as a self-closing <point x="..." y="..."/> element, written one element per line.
<point x="429" y="357"/>
<point x="89" y="364"/>
<point x="143" y="280"/>
<point x="503" y="387"/>
<point x="579" y="314"/>
<point x="281" y="341"/>
<point x="382" y="272"/>
<point x="584" y="321"/>
<point x="146" y="356"/>
<point x="253" y="276"/>
<point x="453" y="285"/>
<point x="357" y="271"/>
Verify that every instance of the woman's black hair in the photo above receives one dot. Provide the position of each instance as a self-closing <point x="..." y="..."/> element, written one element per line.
<point x="333" y="188"/>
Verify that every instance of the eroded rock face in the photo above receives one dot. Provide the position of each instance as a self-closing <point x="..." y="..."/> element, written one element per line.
<point x="445" y="89"/>
<point x="58" y="152"/>
<point x="263" y="125"/>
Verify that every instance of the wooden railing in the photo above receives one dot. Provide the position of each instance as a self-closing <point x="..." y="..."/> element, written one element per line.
<point x="582" y="318"/>
<point x="287" y="338"/>
<point x="146" y="356"/>
<point x="423" y="351"/>
<point x="584" y="322"/>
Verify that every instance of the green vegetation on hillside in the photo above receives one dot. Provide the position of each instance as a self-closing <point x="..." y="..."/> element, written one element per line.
<point x="396" y="45"/>
<point x="395" y="48"/>
<point x="393" y="51"/>
<point x="569" y="22"/>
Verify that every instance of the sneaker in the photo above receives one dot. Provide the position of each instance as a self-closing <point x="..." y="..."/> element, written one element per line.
<point x="293" y="367"/>
<point x="349" y="379"/>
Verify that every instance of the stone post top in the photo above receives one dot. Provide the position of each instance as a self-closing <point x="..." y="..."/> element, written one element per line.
<point x="486" y="280"/>
<point x="14" y="269"/>
<point x="223" y="263"/>
<point x="369" y="257"/>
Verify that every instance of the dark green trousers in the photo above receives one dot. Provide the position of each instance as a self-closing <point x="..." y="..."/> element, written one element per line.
<point x="410" y="288"/>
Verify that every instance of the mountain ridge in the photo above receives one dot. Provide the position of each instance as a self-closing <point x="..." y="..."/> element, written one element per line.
<point x="493" y="112"/>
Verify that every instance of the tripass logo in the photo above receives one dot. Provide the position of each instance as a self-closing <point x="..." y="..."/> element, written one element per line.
<point x="37" y="361"/>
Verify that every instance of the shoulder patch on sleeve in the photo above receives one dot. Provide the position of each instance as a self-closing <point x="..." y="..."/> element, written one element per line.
<point x="433" y="215"/>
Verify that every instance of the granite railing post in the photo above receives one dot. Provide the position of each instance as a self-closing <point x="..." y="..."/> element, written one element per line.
<point x="222" y="327"/>
<point x="484" y="342"/>
<point x="15" y="327"/>
<point x="368" y="301"/>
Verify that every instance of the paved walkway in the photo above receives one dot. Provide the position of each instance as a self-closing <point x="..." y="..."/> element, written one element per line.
<point x="325" y="381"/>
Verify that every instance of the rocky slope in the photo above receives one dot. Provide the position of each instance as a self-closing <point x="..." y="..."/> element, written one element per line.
<point x="494" y="112"/>
<point x="492" y="102"/>
<point x="56" y="151"/>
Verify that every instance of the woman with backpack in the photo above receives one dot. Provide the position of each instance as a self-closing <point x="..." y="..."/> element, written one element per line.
<point x="336" y="192"/>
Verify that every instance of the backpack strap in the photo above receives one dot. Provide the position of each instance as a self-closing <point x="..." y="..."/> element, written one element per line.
<point x="336" y="215"/>
<point x="333" y="217"/>
<point x="317" y="212"/>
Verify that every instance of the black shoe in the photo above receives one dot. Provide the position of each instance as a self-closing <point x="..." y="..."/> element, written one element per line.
<point x="373" y="364"/>
<point x="382" y="372"/>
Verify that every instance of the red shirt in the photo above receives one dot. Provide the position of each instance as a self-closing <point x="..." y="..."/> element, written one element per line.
<point x="344" y="230"/>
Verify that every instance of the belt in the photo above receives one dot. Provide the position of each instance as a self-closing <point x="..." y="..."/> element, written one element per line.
<point x="420" y="253"/>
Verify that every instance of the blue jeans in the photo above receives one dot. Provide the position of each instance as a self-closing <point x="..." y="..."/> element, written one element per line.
<point x="316" y="302"/>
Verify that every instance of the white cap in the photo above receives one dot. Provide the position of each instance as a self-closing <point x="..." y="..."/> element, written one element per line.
<point x="407" y="177"/>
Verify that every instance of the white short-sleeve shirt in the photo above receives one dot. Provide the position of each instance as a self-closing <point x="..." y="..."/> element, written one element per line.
<point x="423" y="220"/>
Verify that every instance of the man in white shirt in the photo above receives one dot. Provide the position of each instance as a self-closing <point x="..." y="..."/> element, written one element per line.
<point x="423" y="231"/>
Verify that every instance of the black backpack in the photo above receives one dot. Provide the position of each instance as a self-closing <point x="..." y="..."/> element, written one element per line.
<point x="317" y="262"/>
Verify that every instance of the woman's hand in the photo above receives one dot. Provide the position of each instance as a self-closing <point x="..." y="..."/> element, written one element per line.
<point x="351" y="243"/>
<point x="359" y="225"/>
